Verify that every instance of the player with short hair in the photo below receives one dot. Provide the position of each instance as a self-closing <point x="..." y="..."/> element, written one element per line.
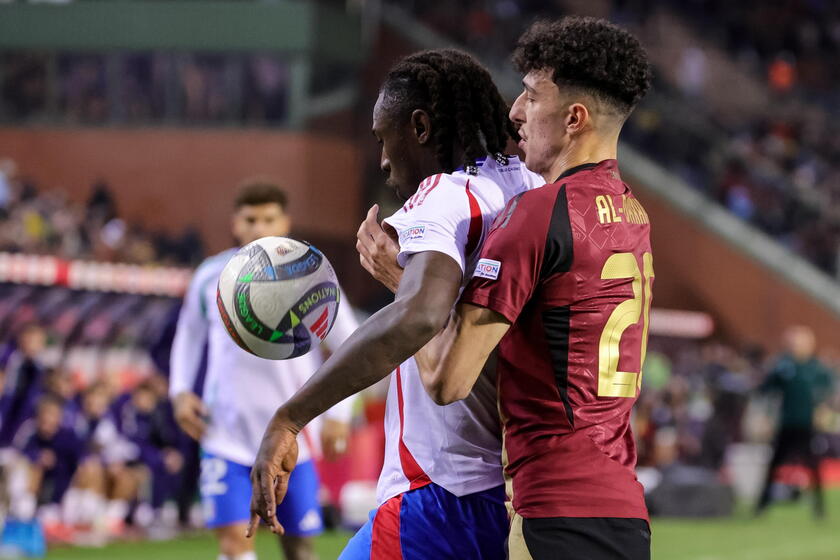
<point x="241" y="391"/>
<point x="563" y="288"/>
<point x="442" y="125"/>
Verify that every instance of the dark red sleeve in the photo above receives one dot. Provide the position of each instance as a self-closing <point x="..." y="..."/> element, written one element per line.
<point x="517" y="244"/>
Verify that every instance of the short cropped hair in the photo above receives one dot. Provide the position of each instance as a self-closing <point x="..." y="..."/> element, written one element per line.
<point x="258" y="191"/>
<point x="600" y="58"/>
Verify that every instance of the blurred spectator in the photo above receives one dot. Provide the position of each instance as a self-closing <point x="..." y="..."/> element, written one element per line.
<point x="266" y="92"/>
<point x="146" y="420"/>
<point x="46" y="222"/>
<point x="97" y="504"/>
<point x="803" y="383"/>
<point x="691" y="73"/>
<point x="8" y="170"/>
<point x="83" y="96"/>
<point x="24" y="87"/>
<point x="51" y="454"/>
<point x="24" y="380"/>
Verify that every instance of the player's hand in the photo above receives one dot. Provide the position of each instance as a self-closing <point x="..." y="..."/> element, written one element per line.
<point x="275" y="462"/>
<point x="334" y="435"/>
<point x="378" y="250"/>
<point x="190" y="413"/>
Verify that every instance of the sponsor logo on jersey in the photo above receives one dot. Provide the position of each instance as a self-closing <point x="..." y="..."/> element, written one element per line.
<point x="487" y="268"/>
<point x="413" y="232"/>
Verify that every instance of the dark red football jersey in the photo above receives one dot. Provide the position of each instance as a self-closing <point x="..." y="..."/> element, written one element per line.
<point x="569" y="264"/>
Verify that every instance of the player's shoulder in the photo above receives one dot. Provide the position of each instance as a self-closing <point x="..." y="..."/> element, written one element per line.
<point x="214" y="264"/>
<point x="438" y="189"/>
<point x="502" y="172"/>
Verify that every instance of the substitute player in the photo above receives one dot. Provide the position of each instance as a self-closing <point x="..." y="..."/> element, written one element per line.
<point x="443" y="126"/>
<point x="564" y="282"/>
<point x="241" y="392"/>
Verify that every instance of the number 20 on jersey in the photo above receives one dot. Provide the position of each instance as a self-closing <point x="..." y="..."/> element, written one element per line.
<point x="611" y="382"/>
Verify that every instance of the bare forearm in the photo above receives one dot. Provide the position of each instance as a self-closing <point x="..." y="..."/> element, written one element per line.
<point x="430" y="358"/>
<point x="382" y="343"/>
<point x="452" y="362"/>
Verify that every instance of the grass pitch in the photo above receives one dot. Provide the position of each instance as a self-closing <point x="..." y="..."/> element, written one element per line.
<point x="786" y="532"/>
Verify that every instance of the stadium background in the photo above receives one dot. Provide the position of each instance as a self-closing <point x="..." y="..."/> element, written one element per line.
<point x="125" y="126"/>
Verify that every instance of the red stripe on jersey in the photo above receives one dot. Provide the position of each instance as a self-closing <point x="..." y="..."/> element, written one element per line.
<point x="474" y="235"/>
<point x="423" y="196"/>
<point x="320" y="323"/>
<point x="385" y="534"/>
<point x="417" y="478"/>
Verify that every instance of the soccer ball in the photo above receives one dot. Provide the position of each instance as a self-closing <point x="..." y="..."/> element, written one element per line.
<point x="278" y="297"/>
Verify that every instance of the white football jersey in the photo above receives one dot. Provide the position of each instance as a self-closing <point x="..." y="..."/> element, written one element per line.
<point x="457" y="446"/>
<point x="242" y="391"/>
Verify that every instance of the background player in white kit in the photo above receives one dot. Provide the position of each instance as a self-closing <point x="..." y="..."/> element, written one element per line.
<point x="241" y="392"/>
<point x="441" y="494"/>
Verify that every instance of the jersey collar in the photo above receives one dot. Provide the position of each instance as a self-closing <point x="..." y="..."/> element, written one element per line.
<point x="581" y="167"/>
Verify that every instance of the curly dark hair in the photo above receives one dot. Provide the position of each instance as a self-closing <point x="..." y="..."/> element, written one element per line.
<point x="461" y="99"/>
<point x="592" y="54"/>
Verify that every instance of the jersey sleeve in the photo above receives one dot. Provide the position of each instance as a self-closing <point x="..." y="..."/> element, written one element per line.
<point x="437" y="218"/>
<point x="508" y="271"/>
<point x="190" y="333"/>
<point x="345" y="324"/>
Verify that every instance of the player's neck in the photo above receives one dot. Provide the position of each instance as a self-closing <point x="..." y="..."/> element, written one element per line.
<point x="585" y="150"/>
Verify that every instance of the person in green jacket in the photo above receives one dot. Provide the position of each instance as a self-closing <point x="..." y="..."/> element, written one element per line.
<point x="803" y="383"/>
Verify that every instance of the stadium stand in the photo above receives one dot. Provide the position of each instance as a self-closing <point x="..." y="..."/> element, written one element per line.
<point x="775" y="168"/>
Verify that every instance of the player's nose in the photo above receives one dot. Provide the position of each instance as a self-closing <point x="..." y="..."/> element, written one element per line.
<point x="517" y="112"/>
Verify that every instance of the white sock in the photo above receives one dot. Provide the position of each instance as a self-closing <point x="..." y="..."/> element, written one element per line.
<point x="49" y="514"/>
<point x="71" y="505"/>
<point x="21" y="500"/>
<point x="91" y="507"/>
<point x="117" y="510"/>
<point x="252" y="555"/>
<point x="23" y="506"/>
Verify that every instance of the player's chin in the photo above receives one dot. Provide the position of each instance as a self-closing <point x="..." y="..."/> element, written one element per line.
<point x="394" y="186"/>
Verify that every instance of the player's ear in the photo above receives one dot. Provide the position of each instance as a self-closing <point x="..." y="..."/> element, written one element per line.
<point x="421" y="124"/>
<point x="577" y="118"/>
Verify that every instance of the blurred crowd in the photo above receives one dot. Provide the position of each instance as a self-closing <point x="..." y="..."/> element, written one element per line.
<point x="81" y="461"/>
<point x="795" y="43"/>
<point x="184" y="88"/>
<point x="778" y="171"/>
<point x="44" y="221"/>
<point x="704" y="395"/>
<point x="703" y="401"/>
